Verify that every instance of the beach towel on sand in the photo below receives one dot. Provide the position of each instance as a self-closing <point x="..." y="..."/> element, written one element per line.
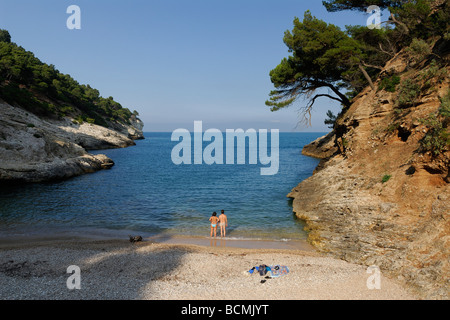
<point x="272" y="271"/>
<point x="278" y="271"/>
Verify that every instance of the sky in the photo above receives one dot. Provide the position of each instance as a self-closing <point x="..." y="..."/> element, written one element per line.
<point x="175" y="61"/>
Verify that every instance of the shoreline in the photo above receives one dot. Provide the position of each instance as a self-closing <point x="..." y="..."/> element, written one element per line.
<point x="203" y="241"/>
<point x="248" y="243"/>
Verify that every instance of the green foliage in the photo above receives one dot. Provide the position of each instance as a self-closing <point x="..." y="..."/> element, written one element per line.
<point x="5" y="36"/>
<point x="444" y="110"/>
<point x="12" y="93"/>
<point x="331" y="119"/>
<point x="392" y="127"/>
<point x="409" y="92"/>
<point x="27" y="81"/>
<point x="437" y="138"/>
<point x="389" y="84"/>
<point x="427" y="79"/>
<point x="422" y="19"/>
<point x="344" y="142"/>
<point x="386" y="178"/>
<point x="418" y="50"/>
<point x="362" y="5"/>
<point x="323" y="56"/>
<point x="432" y="76"/>
<point x="371" y="41"/>
<point x="434" y="71"/>
<point x="79" y="119"/>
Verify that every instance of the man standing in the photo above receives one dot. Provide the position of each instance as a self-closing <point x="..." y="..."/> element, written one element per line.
<point x="223" y="224"/>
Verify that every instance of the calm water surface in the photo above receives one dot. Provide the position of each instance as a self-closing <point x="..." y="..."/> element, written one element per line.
<point x="146" y="193"/>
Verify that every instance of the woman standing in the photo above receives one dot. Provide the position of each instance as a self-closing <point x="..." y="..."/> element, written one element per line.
<point x="214" y="220"/>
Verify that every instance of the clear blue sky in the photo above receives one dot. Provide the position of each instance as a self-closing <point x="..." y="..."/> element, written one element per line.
<point x="174" y="61"/>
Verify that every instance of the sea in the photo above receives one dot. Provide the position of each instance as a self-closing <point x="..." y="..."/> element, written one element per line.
<point x="145" y="193"/>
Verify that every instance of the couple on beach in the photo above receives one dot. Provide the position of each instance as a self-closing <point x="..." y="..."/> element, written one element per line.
<point x="222" y="220"/>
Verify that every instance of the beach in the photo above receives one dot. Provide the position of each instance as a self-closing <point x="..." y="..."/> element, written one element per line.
<point x="181" y="269"/>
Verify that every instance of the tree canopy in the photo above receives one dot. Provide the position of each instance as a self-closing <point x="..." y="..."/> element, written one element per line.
<point x="323" y="56"/>
<point x="361" y="5"/>
<point x="5" y="36"/>
<point x="344" y="62"/>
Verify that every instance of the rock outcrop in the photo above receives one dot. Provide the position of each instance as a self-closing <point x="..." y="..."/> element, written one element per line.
<point x="377" y="198"/>
<point x="321" y="148"/>
<point x="33" y="149"/>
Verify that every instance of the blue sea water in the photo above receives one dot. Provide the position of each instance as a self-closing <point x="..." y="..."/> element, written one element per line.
<point x="146" y="193"/>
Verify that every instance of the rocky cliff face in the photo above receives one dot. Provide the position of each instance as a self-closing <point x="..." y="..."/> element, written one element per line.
<point x="377" y="198"/>
<point x="35" y="150"/>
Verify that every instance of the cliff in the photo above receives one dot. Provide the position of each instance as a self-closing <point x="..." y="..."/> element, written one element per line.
<point x="380" y="195"/>
<point x="48" y="120"/>
<point x="37" y="149"/>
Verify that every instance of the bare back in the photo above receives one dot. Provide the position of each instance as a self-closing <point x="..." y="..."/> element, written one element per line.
<point x="223" y="219"/>
<point x="214" y="219"/>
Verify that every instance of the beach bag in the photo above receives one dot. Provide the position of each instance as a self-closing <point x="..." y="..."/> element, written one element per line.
<point x="263" y="270"/>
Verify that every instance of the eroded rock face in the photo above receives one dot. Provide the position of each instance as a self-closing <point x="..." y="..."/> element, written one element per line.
<point x="378" y="200"/>
<point x="321" y="148"/>
<point x="36" y="150"/>
<point x="132" y="131"/>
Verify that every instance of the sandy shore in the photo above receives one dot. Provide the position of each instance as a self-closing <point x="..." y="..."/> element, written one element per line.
<point x="180" y="270"/>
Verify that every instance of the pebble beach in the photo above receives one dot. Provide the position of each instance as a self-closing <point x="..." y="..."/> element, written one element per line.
<point x="148" y="270"/>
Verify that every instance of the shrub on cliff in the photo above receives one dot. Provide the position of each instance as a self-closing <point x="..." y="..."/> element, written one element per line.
<point x="437" y="138"/>
<point x="418" y="50"/>
<point x="389" y="84"/>
<point x="409" y="92"/>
